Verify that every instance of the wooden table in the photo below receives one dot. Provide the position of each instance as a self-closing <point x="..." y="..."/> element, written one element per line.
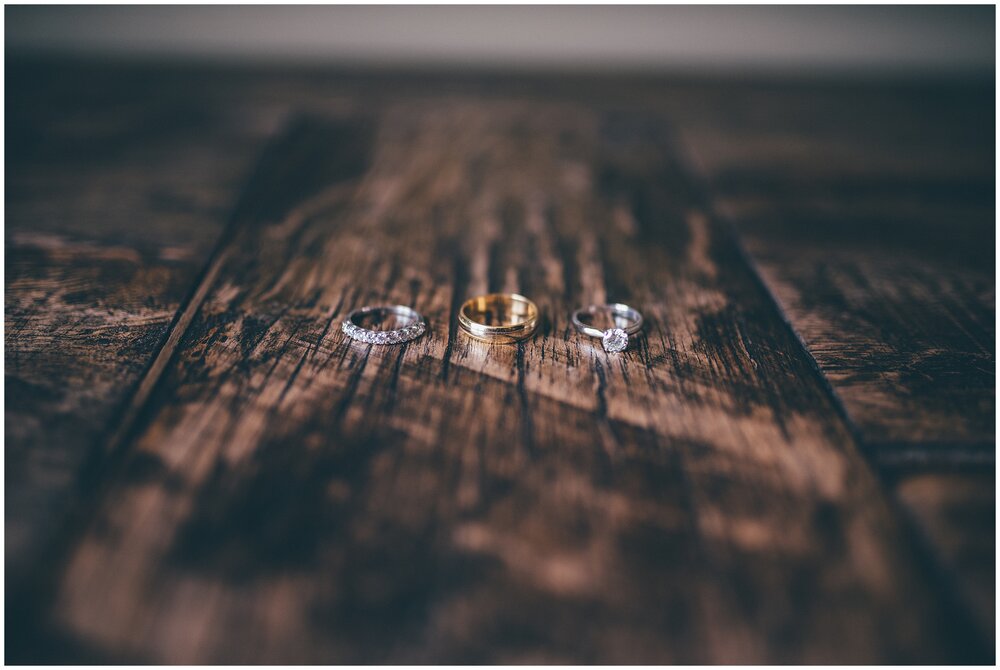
<point x="794" y="463"/>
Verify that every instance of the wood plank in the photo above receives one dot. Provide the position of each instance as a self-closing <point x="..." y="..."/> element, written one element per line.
<point x="906" y="337"/>
<point x="957" y="512"/>
<point x="117" y="188"/>
<point x="870" y="216"/>
<point x="294" y="496"/>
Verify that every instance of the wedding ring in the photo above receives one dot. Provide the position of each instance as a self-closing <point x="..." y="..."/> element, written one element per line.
<point x="413" y="324"/>
<point x="499" y="317"/>
<point x="627" y="321"/>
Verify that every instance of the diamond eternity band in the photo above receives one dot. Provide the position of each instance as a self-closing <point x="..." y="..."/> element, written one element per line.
<point x="414" y="328"/>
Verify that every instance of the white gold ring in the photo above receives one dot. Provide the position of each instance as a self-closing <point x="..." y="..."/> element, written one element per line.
<point x="412" y="328"/>
<point x="627" y="321"/>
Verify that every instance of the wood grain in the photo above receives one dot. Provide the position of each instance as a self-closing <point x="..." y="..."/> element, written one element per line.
<point x="870" y="217"/>
<point x="288" y="495"/>
<point x="293" y="496"/>
<point x="117" y="187"/>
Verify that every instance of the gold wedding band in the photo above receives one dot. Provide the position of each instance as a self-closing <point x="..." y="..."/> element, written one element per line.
<point x="499" y="317"/>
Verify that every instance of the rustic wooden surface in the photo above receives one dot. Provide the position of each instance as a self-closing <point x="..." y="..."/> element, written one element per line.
<point x="872" y="220"/>
<point x="117" y="188"/>
<point x="222" y="477"/>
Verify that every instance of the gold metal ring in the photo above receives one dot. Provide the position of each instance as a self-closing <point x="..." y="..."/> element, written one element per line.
<point x="502" y="318"/>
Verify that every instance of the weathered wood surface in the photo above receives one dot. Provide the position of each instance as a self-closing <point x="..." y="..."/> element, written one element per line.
<point x="871" y="218"/>
<point x="288" y="495"/>
<point x="117" y="189"/>
<point x="318" y="500"/>
<point x="957" y="512"/>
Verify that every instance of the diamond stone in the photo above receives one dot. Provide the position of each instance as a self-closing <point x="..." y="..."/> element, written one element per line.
<point x="615" y="340"/>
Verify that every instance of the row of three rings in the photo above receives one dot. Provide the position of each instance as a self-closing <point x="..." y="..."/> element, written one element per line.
<point x="497" y="318"/>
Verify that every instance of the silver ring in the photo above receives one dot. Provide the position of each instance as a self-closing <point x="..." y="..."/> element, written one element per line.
<point x="627" y="320"/>
<point x="414" y="328"/>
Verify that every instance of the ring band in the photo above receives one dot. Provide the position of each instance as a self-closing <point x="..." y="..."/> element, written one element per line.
<point x="414" y="328"/>
<point x="499" y="317"/>
<point x="627" y="320"/>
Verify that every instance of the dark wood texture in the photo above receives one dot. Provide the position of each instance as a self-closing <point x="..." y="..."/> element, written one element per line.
<point x="957" y="514"/>
<point x="282" y="494"/>
<point x="117" y="188"/>
<point x="872" y="220"/>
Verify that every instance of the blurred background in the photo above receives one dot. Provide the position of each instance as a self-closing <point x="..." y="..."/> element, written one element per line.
<point x="889" y="39"/>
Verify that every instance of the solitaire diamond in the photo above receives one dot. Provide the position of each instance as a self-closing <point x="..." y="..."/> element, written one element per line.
<point x="615" y="340"/>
